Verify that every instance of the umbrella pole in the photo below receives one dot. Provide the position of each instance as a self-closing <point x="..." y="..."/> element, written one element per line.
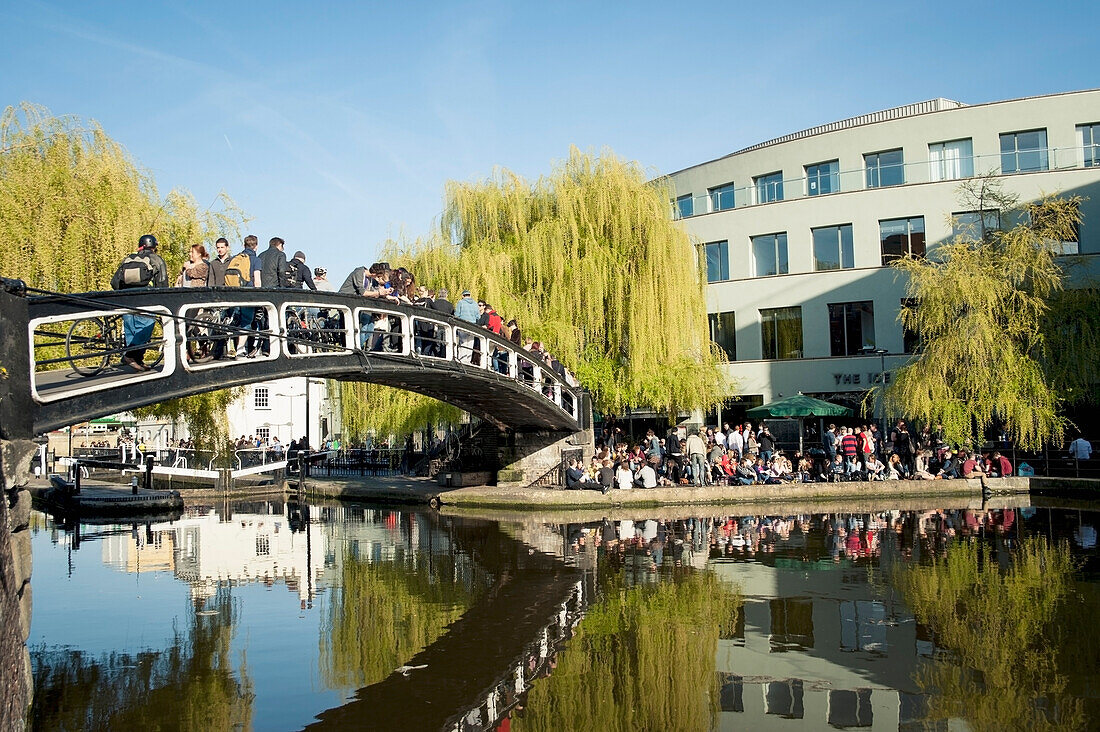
<point x="801" y="426"/>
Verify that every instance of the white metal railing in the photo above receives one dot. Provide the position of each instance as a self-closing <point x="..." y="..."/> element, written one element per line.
<point x="927" y="170"/>
<point x="290" y="330"/>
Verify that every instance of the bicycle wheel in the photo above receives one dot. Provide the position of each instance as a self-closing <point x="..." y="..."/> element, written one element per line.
<point x="87" y="346"/>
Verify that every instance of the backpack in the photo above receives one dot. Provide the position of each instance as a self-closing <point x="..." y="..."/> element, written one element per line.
<point x="238" y="271"/>
<point x="136" y="270"/>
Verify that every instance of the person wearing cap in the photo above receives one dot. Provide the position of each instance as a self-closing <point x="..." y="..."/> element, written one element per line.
<point x="137" y="330"/>
<point x="300" y="273"/>
<point x="466" y="309"/>
<point x="320" y="278"/>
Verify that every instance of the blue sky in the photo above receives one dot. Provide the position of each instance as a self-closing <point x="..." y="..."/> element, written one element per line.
<point x="336" y="125"/>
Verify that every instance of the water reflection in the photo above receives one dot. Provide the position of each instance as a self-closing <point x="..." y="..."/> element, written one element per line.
<point x="277" y="615"/>
<point x="193" y="682"/>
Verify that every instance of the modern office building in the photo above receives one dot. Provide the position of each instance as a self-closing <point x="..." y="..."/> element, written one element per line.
<point x="799" y="231"/>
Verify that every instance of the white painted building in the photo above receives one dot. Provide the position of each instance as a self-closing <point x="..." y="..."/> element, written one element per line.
<point x="797" y="231"/>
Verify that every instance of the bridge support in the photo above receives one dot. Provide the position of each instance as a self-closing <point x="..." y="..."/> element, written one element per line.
<point x="527" y="457"/>
<point x="16" y="683"/>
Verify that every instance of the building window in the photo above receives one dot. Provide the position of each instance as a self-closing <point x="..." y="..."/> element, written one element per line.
<point x="263" y="545"/>
<point x="823" y="178"/>
<point x="769" y="187"/>
<point x="723" y="331"/>
<point x="885" y="168"/>
<point x="1024" y="152"/>
<point x="910" y="340"/>
<point x="769" y="255"/>
<point x="718" y="261"/>
<point x="261" y="397"/>
<point x="685" y="206"/>
<point x="1089" y="138"/>
<point x="975" y="225"/>
<point x="901" y="237"/>
<point x="721" y="198"/>
<point x="781" y="333"/>
<point x="851" y="327"/>
<point x="951" y="160"/>
<point x="833" y="248"/>
<point x="263" y="434"/>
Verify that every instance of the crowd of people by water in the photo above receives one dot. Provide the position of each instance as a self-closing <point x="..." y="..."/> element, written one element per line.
<point x="748" y="454"/>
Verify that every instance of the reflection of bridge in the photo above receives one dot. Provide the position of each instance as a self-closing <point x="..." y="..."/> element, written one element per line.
<point x="361" y="339"/>
<point x="511" y="631"/>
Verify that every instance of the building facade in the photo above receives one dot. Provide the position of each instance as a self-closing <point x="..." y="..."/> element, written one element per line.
<point x="798" y="232"/>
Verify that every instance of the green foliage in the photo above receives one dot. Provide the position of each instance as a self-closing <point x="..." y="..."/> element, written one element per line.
<point x="73" y="203"/>
<point x="1071" y="332"/>
<point x="982" y="306"/>
<point x="384" y="614"/>
<point x="642" y="659"/>
<point x="1016" y="637"/>
<point x="385" y="411"/>
<point x="589" y="261"/>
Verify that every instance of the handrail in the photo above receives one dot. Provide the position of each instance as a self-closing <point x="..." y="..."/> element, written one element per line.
<point x="416" y="335"/>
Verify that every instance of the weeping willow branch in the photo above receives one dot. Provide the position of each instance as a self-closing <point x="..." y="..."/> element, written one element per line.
<point x="73" y="203"/>
<point x="589" y="261"/>
<point x="980" y="316"/>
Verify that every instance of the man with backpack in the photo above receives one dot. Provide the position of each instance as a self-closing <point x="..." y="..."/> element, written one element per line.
<point x="141" y="269"/>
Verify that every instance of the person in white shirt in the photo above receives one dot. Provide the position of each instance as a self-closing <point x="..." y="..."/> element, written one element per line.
<point x="719" y="438"/>
<point x="734" y="441"/>
<point x="1080" y="448"/>
<point x="647" y="476"/>
<point x="623" y="478"/>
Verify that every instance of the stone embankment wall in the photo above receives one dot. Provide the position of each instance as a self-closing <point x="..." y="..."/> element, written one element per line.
<point x="15" y="584"/>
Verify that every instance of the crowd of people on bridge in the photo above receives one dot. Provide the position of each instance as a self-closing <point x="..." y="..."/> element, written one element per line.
<point x="748" y="454"/>
<point x="379" y="331"/>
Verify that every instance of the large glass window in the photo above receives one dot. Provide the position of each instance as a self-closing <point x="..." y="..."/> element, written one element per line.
<point x="833" y="248"/>
<point x="851" y="327"/>
<point x="886" y="168"/>
<point x="781" y="333"/>
<point x="1089" y="138"/>
<point x="718" y="261"/>
<point x="900" y="237"/>
<point x="769" y="255"/>
<point x="685" y="206"/>
<point x="1023" y="152"/>
<point x="823" y="178"/>
<point x="951" y="160"/>
<point x="721" y="198"/>
<point x="974" y="225"/>
<point x="769" y="187"/>
<point x="723" y="332"/>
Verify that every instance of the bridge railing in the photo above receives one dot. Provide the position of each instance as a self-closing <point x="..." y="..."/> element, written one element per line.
<point x="77" y="341"/>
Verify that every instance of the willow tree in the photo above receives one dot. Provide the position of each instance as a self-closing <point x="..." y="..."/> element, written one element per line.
<point x="980" y="311"/>
<point x="1018" y="639"/>
<point x="73" y="203"/>
<point x="590" y="263"/>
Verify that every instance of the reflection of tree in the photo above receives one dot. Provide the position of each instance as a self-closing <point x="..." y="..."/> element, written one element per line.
<point x="382" y="614"/>
<point x="642" y="658"/>
<point x="190" y="685"/>
<point x="1017" y="637"/>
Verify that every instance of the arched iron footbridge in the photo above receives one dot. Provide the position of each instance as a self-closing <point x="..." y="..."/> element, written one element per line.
<point x="62" y="354"/>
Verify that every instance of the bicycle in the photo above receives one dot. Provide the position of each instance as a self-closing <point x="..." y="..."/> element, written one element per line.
<point x="93" y="344"/>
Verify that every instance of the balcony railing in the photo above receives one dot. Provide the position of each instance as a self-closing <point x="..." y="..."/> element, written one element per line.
<point x="921" y="171"/>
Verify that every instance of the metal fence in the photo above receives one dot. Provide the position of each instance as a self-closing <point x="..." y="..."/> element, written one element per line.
<point x="374" y="462"/>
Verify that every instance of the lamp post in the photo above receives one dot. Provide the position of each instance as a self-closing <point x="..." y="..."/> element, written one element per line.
<point x="882" y="354"/>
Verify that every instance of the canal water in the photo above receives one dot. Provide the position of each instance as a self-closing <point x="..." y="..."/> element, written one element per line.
<point x="279" y="616"/>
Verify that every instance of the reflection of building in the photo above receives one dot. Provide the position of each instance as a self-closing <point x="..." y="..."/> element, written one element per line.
<point x="813" y="647"/>
<point x="797" y="230"/>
